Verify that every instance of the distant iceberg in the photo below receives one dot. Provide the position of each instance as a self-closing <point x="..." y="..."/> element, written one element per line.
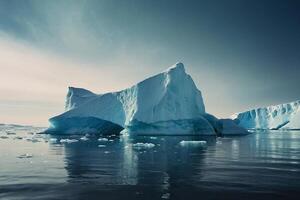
<point x="168" y="103"/>
<point x="283" y="116"/>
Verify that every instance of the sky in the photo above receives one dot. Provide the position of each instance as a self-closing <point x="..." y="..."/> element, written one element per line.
<point x="241" y="54"/>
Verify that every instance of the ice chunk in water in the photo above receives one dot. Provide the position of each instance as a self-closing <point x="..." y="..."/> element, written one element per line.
<point x="193" y="143"/>
<point x="141" y="145"/>
<point x="53" y="140"/>
<point x="84" y="138"/>
<point x="26" y="155"/>
<point x="102" y="139"/>
<point x="34" y="140"/>
<point x="68" y="140"/>
<point x="101" y="145"/>
<point x="165" y="196"/>
<point x="10" y="133"/>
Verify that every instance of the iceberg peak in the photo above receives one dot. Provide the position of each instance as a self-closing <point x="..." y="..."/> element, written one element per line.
<point x="77" y="96"/>
<point x="177" y="67"/>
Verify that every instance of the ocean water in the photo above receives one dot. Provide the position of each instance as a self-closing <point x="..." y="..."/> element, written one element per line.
<point x="263" y="165"/>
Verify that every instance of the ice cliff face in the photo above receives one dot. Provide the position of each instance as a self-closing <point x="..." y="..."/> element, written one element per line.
<point x="167" y="103"/>
<point x="283" y="116"/>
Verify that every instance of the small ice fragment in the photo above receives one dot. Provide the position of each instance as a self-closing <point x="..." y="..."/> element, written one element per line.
<point x="165" y="196"/>
<point x="141" y="145"/>
<point x="53" y="140"/>
<point x="110" y="140"/>
<point x="37" y="136"/>
<point x="18" y="138"/>
<point x="3" y="137"/>
<point x="26" y="155"/>
<point x="106" y="152"/>
<point x="101" y="145"/>
<point x="32" y="140"/>
<point x="68" y="140"/>
<point x="218" y="142"/>
<point x="153" y="138"/>
<point x="112" y="135"/>
<point x="102" y="139"/>
<point x="35" y="140"/>
<point x="84" y="138"/>
<point x="193" y="143"/>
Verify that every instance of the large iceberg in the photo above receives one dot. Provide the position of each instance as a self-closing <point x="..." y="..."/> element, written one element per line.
<point x="283" y="116"/>
<point x="167" y="103"/>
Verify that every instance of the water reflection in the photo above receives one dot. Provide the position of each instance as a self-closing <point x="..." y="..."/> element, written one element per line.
<point x="119" y="163"/>
<point x="264" y="164"/>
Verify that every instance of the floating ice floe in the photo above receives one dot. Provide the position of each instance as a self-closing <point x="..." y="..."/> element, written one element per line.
<point x="34" y="140"/>
<point x="165" y="196"/>
<point x="102" y="139"/>
<point x="101" y="145"/>
<point x="84" y="138"/>
<point x="10" y="133"/>
<point x="53" y="140"/>
<point x="18" y="138"/>
<point x="68" y="140"/>
<point x="218" y="142"/>
<point x="141" y="145"/>
<point x="26" y="155"/>
<point x="153" y="138"/>
<point x="193" y="143"/>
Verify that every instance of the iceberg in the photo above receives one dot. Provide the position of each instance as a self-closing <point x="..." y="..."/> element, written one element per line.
<point x="168" y="103"/>
<point x="283" y="116"/>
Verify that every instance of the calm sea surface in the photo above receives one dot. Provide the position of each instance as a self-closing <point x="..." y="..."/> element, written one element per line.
<point x="263" y="165"/>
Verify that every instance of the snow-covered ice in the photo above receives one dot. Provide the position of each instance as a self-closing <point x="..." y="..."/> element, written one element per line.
<point x="283" y="116"/>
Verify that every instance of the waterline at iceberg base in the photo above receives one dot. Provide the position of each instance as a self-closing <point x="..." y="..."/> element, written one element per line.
<point x="168" y="103"/>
